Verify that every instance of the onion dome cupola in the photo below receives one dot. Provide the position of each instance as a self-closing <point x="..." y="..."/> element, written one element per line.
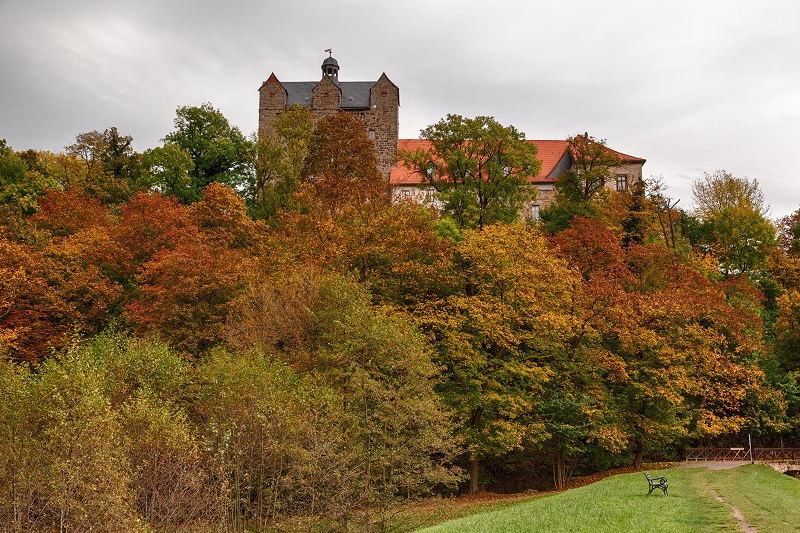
<point x="330" y="67"/>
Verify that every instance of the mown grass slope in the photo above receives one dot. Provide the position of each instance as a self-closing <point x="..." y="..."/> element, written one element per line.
<point x="769" y="501"/>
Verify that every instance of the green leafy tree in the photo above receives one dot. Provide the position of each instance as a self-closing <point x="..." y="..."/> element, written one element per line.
<point x="591" y="170"/>
<point x="378" y="364"/>
<point x="281" y="156"/>
<point x="478" y="167"/>
<point x="168" y="171"/>
<point x="732" y="210"/>
<point x="219" y="152"/>
<point x="743" y="240"/>
<point x="21" y="185"/>
<point x="584" y="184"/>
<point x="384" y="369"/>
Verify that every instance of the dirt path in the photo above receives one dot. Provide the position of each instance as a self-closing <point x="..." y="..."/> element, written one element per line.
<point x="744" y="525"/>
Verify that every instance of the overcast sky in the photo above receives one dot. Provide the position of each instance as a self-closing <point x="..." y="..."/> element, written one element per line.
<point x="690" y="85"/>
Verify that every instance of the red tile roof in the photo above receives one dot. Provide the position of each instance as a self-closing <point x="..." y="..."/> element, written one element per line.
<point x="550" y="153"/>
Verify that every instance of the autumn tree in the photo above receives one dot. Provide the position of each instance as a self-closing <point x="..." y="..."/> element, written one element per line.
<point x="148" y="224"/>
<point x="789" y="232"/>
<point x="186" y="287"/>
<point x="65" y="278"/>
<point x="732" y="209"/>
<point x="478" y="168"/>
<point x="28" y="319"/>
<point x="222" y="216"/>
<point x="667" y="337"/>
<point x="394" y="249"/>
<point x="784" y="263"/>
<point x="342" y="166"/>
<point x="667" y="211"/>
<point x="112" y="167"/>
<point x="343" y="220"/>
<point x="720" y="190"/>
<point x="494" y="335"/>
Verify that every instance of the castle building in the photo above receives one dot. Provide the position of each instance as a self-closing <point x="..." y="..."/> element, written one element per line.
<point x="554" y="155"/>
<point x="376" y="103"/>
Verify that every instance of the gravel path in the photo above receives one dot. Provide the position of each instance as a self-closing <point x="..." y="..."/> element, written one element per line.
<point x="712" y="465"/>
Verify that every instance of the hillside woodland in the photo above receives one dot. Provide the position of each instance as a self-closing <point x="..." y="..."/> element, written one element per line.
<point x="231" y="335"/>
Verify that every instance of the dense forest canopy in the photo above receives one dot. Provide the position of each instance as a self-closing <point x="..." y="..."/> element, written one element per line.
<point x="237" y="334"/>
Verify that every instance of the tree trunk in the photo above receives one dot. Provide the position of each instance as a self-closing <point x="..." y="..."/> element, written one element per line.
<point x="637" y="461"/>
<point x="473" y="476"/>
<point x="560" y="470"/>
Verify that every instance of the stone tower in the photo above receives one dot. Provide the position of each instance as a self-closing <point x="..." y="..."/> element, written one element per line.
<point x="376" y="103"/>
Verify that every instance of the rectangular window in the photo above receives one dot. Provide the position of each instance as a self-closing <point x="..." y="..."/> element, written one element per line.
<point x="535" y="212"/>
<point x="622" y="182"/>
<point x="372" y="134"/>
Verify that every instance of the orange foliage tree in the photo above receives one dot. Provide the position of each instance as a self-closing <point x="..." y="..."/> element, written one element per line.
<point x="186" y="287"/>
<point x="669" y="339"/>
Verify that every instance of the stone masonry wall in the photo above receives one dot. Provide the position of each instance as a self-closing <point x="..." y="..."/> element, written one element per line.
<point x="271" y="101"/>
<point x="325" y="99"/>
<point x="383" y="118"/>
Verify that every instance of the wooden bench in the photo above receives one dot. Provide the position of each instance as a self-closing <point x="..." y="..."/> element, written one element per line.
<point x="657" y="483"/>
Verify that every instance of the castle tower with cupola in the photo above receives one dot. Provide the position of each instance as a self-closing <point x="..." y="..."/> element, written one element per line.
<point x="376" y="103"/>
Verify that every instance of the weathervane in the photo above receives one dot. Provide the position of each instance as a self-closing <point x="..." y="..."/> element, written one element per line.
<point x="330" y="51"/>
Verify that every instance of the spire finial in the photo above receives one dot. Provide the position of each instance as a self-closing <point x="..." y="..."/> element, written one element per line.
<point x="330" y="51"/>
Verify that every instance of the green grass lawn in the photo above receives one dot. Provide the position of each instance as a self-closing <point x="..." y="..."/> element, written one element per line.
<point x="769" y="501"/>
